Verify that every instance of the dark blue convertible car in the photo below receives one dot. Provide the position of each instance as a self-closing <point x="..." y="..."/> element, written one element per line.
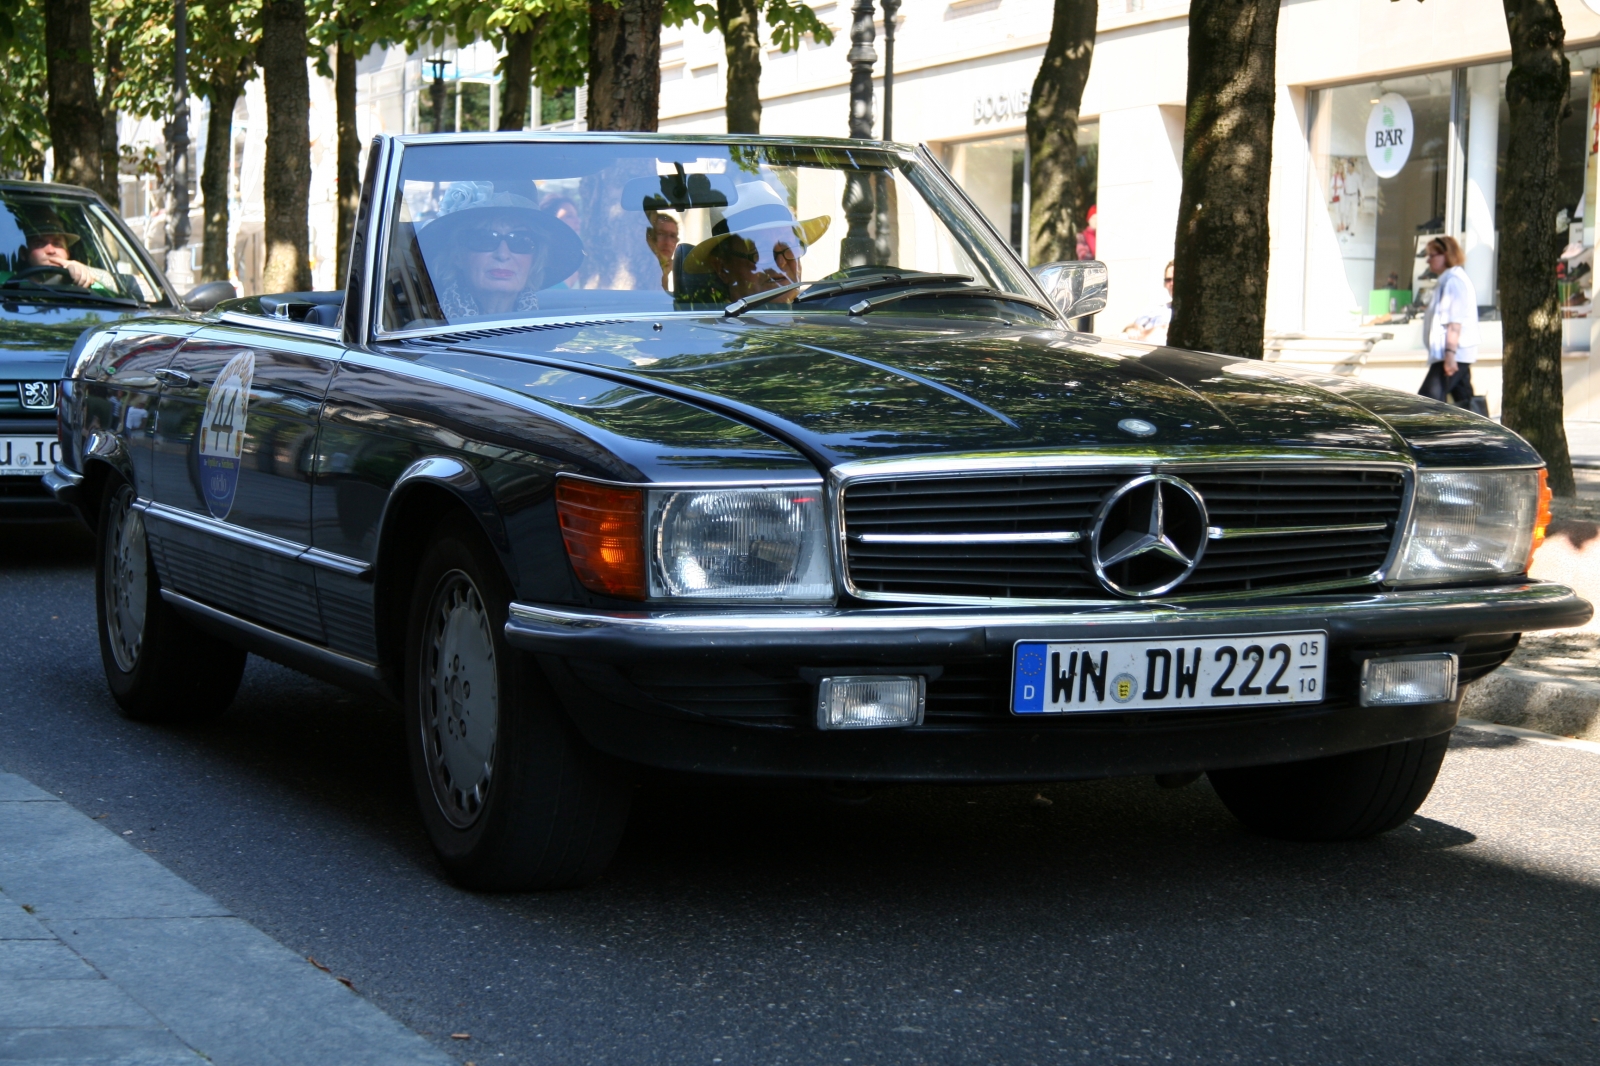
<point x="817" y="482"/>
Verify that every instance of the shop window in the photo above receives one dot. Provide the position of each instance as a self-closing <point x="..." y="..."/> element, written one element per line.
<point x="1381" y="155"/>
<point x="994" y="172"/>
<point x="1488" y="125"/>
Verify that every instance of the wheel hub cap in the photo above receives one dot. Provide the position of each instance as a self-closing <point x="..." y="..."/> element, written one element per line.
<point x="125" y="582"/>
<point x="462" y="712"/>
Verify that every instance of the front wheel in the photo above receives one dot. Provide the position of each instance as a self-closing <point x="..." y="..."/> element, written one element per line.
<point x="511" y="797"/>
<point x="159" y="667"/>
<point x="1339" y="797"/>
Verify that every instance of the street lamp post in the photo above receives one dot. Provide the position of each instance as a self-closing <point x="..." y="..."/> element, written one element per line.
<point x="891" y="8"/>
<point x="178" y="136"/>
<point x="858" y="248"/>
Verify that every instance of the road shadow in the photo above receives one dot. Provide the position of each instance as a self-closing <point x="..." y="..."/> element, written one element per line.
<point x="1091" y="921"/>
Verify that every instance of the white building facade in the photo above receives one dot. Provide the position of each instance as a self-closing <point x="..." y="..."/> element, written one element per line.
<point x="1346" y="223"/>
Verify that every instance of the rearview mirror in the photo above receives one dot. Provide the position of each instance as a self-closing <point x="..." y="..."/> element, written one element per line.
<point x="205" y="297"/>
<point x="1078" y="287"/>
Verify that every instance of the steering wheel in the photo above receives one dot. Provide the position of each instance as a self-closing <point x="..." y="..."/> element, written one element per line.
<point x="35" y="270"/>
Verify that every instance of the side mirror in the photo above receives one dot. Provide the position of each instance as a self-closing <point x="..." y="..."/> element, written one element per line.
<point x="205" y="297"/>
<point x="1078" y="287"/>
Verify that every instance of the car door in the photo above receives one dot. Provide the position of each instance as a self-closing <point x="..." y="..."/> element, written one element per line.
<point x="234" y="450"/>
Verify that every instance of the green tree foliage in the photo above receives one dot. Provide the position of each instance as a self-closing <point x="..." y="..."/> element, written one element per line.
<point x="24" y="132"/>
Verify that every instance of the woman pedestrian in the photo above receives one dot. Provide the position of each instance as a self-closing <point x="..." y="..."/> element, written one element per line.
<point x="1450" y="325"/>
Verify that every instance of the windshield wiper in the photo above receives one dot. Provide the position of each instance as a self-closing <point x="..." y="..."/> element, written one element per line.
<point x="878" y="281"/>
<point x="819" y="289"/>
<point x="872" y="303"/>
<point x="739" y="307"/>
<point x="74" y="293"/>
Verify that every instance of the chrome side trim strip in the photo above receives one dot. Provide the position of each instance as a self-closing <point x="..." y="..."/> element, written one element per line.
<point x="282" y="642"/>
<point x="249" y="538"/>
<point x="1217" y="533"/>
<point x="833" y="620"/>
<point x="1058" y="537"/>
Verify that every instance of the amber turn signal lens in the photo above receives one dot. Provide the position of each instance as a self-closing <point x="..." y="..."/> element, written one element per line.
<point x="1542" y="522"/>
<point x="603" y="528"/>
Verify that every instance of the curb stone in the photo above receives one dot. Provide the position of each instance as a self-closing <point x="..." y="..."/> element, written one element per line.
<point x="1531" y="735"/>
<point x="1513" y="696"/>
<point x="107" y="957"/>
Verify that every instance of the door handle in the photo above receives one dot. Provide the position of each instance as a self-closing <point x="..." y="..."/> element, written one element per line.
<point x="176" y="379"/>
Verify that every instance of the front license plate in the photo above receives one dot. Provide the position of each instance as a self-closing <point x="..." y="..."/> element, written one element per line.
<point x="1166" y="675"/>
<point x="28" y="455"/>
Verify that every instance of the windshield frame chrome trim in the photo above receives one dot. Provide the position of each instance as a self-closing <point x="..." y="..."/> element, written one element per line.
<point x="384" y="221"/>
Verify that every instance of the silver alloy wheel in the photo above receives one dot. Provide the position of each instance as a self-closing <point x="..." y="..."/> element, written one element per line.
<point x="126" y="580"/>
<point x="461" y="699"/>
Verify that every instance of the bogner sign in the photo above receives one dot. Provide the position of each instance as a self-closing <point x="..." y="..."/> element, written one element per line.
<point x="1389" y="130"/>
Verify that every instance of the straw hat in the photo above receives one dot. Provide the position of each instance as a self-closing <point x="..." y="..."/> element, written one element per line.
<point x="466" y="203"/>
<point x="757" y="208"/>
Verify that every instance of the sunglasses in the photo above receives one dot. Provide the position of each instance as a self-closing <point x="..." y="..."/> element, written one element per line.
<point x="1167" y="280"/>
<point x="517" y="242"/>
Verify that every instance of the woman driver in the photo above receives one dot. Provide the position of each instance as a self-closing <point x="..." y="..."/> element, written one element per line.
<point x="756" y="245"/>
<point x="491" y="253"/>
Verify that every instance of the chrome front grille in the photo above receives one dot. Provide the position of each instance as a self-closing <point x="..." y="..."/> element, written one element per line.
<point x="1025" y="535"/>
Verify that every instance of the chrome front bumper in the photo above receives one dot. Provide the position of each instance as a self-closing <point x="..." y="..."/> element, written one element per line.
<point x="928" y="634"/>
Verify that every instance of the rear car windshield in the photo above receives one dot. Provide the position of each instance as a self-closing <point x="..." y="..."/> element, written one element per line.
<point x="60" y="246"/>
<point x="479" y="232"/>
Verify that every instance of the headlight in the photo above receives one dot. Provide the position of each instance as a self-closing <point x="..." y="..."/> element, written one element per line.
<point x="740" y="544"/>
<point x="1468" y="524"/>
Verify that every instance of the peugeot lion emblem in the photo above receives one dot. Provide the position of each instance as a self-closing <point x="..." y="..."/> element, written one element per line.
<point x="1148" y="535"/>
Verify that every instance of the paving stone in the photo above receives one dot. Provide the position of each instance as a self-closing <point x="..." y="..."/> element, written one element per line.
<point x="52" y="1004"/>
<point x="41" y="959"/>
<point x="18" y="924"/>
<point x="66" y="865"/>
<point x="96" y="1047"/>
<point x="14" y="789"/>
<point x="227" y="988"/>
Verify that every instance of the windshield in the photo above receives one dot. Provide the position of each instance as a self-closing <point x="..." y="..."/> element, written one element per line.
<point x="60" y="246"/>
<point x="481" y="232"/>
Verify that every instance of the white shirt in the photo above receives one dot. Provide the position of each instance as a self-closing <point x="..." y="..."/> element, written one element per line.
<point x="1455" y="300"/>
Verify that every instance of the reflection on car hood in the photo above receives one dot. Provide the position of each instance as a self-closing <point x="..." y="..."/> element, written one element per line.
<point x="35" y="340"/>
<point x="872" y="388"/>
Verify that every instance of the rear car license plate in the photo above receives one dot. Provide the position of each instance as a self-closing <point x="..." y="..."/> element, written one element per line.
<point x="1166" y="675"/>
<point x="28" y="455"/>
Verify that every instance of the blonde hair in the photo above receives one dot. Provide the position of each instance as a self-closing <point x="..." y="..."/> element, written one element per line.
<point x="1449" y="248"/>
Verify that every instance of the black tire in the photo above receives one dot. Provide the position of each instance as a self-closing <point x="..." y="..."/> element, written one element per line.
<point x="160" y="668"/>
<point x="512" y="798"/>
<point x="1340" y="797"/>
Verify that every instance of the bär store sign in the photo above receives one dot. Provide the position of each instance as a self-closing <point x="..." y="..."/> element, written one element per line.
<point x="1000" y="107"/>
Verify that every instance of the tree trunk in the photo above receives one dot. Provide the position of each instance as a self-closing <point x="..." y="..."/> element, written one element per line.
<point x="349" y="160"/>
<point x="110" y="183"/>
<point x="71" y="108"/>
<point x="436" y="94"/>
<point x="286" y="184"/>
<point x="1530" y="311"/>
<point x="624" y="65"/>
<point x="740" y="21"/>
<point x="1053" y="132"/>
<point x="518" y="76"/>
<point x="1219" y="292"/>
<point x="214" y="171"/>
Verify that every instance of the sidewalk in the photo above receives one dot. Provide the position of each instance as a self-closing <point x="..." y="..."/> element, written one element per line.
<point x="1552" y="683"/>
<point x="106" y="957"/>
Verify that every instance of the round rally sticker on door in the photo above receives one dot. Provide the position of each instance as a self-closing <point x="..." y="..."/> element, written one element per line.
<point x="222" y="430"/>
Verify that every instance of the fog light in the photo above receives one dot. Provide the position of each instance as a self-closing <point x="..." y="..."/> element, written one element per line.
<point x="1429" y="678"/>
<point x="870" y="702"/>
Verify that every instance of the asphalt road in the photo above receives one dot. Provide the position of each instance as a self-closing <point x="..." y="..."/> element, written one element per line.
<point x="1115" y="923"/>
